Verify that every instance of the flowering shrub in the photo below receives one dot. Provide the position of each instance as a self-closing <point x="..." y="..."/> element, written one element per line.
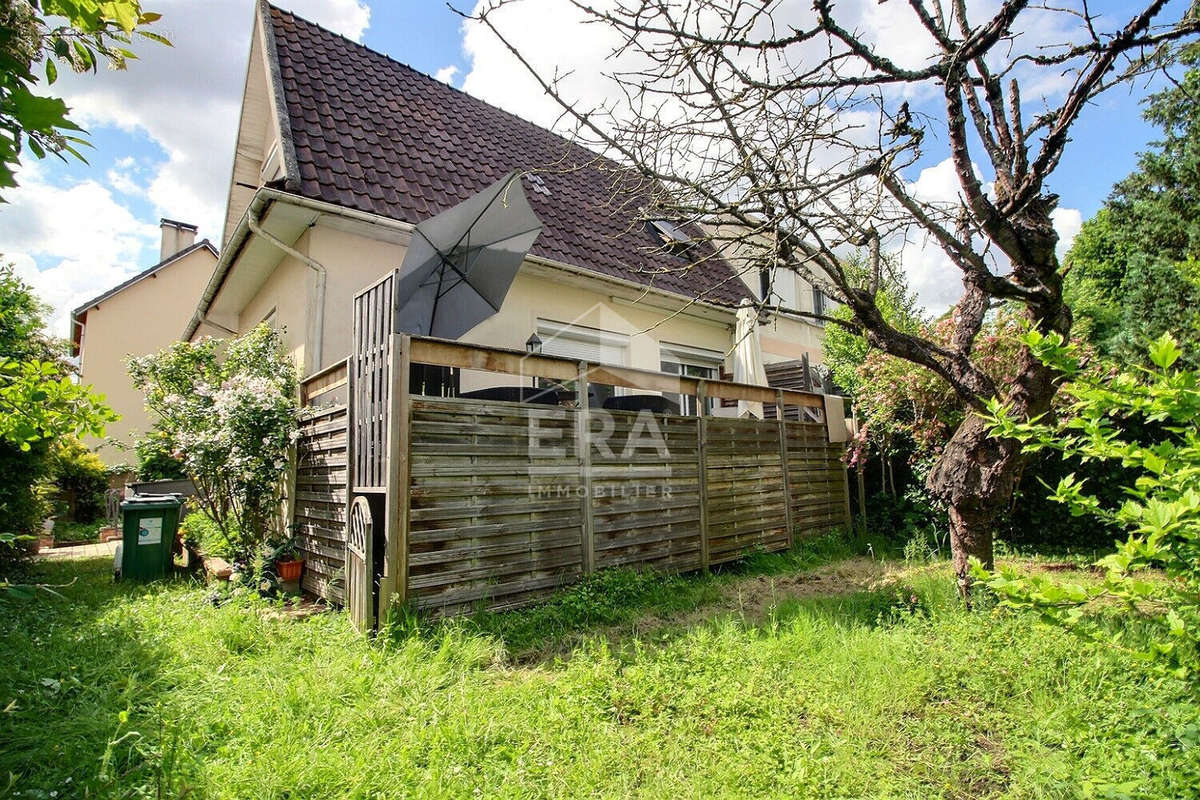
<point x="228" y="411"/>
<point x="910" y="408"/>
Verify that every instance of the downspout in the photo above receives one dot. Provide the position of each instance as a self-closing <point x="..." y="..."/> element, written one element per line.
<point x="316" y="324"/>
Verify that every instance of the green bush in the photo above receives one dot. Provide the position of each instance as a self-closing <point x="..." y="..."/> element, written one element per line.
<point x="1160" y="510"/>
<point x="155" y="459"/>
<point x="200" y="531"/>
<point x="23" y="506"/>
<point x="78" y="531"/>
<point x="79" y="480"/>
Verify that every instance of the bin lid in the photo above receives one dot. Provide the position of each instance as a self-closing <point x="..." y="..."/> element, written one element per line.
<point x="147" y="501"/>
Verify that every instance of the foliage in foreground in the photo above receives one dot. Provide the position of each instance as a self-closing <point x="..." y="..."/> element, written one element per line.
<point x="76" y="34"/>
<point x="155" y="461"/>
<point x="1161" y="511"/>
<point x="228" y="409"/>
<point x="80" y="481"/>
<point x="40" y="403"/>
<point x="735" y="684"/>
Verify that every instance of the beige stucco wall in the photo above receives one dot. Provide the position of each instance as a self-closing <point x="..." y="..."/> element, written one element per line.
<point x="788" y="339"/>
<point x="142" y="318"/>
<point x="285" y="298"/>
<point x="354" y="260"/>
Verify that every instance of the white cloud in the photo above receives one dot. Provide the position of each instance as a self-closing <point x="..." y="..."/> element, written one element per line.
<point x="125" y="182"/>
<point x="185" y="99"/>
<point x="446" y="74"/>
<point x="90" y="240"/>
<point x="1067" y="221"/>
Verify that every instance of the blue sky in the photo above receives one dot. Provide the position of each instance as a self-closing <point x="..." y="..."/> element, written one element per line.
<point x="163" y="131"/>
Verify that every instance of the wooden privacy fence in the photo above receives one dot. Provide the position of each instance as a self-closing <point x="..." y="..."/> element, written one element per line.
<point x="319" y="492"/>
<point x="463" y="503"/>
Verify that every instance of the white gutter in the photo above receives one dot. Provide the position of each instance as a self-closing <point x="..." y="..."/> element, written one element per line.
<point x="316" y="321"/>
<point x="264" y="195"/>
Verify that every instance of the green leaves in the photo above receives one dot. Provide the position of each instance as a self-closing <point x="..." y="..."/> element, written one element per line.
<point x="94" y="32"/>
<point x="39" y="114"/>
<point x="38" y="402"/>
<point x="1155" y="573"/>
<point x="1164" y="352"/>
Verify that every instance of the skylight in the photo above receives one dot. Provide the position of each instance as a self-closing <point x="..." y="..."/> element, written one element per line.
<point x="669" y="232"/>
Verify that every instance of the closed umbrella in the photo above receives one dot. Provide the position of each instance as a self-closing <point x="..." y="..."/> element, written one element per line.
<point x="747" y="357"/>
<point x="461" y="263"/>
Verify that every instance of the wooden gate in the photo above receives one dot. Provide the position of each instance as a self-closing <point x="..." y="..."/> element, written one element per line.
<point x="371" y="370"/>
<point x="360" y="546"/>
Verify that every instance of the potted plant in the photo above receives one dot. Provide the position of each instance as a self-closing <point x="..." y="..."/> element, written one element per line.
<point x="288" y="564"/>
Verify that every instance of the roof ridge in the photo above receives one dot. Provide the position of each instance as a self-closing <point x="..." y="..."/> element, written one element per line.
<point x="375" y="134"/>
<point x="433" y="80"/>
<point x="137" y="276"/>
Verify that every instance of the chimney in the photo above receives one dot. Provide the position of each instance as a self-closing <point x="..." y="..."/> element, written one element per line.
<point x="176" y="236"/>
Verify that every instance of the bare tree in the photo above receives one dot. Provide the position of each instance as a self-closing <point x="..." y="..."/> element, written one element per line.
<point x="788" y="126"/>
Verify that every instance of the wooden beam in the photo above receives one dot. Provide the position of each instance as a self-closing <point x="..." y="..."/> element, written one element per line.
<point x="846" y="497"/>
<point x="393" y="587"/>
<point x="702" y="459"/>
<point x="332" y="377"/>
<point x="783" y="458"/>
<point x="443" y="352"/>
<point x="583" y="451"/>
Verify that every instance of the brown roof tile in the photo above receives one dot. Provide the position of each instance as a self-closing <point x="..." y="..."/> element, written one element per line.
<point x="375" y="135"/>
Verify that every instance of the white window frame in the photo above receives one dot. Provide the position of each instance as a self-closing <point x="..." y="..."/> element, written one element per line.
<point x="686" y="355"/>
<point x="612" y="348"/>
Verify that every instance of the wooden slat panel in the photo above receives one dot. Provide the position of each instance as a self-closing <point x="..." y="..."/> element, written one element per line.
<point x="495" y="515"/>
<point x="319" y="502"/>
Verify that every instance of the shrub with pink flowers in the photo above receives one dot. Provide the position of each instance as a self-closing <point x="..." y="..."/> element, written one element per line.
<point x="228" y="410"/>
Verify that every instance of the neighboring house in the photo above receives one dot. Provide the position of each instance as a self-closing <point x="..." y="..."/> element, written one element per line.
<point x="142" y="315"/>
<point x="341" y="150"/>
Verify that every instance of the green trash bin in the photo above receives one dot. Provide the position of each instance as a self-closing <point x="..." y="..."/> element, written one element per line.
<point x="148" y="535"/>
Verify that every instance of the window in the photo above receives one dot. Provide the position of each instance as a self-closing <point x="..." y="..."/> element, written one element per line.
<point x="820" y="302"/>
<point x="689" y="362"/>
<point x="777" y="287"/>
<point x="585" y="344"/>
<point x="669" y="232"/>
<point x="785" y="288"/>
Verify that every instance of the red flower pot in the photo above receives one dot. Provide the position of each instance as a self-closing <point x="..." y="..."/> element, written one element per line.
<point x="289" y="570"/>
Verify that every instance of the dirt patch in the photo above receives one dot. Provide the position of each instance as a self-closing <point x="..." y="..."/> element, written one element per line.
<point x="300" y="609"/>
<point x="754" y="597"/>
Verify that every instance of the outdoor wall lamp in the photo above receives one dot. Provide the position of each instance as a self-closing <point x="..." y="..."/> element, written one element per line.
<point x="533" y="346"/>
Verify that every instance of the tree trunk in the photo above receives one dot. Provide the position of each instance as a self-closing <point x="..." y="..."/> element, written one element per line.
<point x="975" y="477"/>
<point x="977" y="472"/>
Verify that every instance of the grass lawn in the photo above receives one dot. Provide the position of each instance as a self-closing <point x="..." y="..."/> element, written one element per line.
<point x="807" y="674"/>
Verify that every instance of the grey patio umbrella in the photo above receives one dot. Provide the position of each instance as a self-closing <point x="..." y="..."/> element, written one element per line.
<point x="462" y="262"/>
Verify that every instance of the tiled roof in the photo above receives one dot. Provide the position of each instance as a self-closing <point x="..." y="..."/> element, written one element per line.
<point x="375" y="135"/>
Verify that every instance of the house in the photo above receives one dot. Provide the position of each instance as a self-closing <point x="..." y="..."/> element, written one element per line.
<point x="341" y="150"/>
<point x="140" y="316"/>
